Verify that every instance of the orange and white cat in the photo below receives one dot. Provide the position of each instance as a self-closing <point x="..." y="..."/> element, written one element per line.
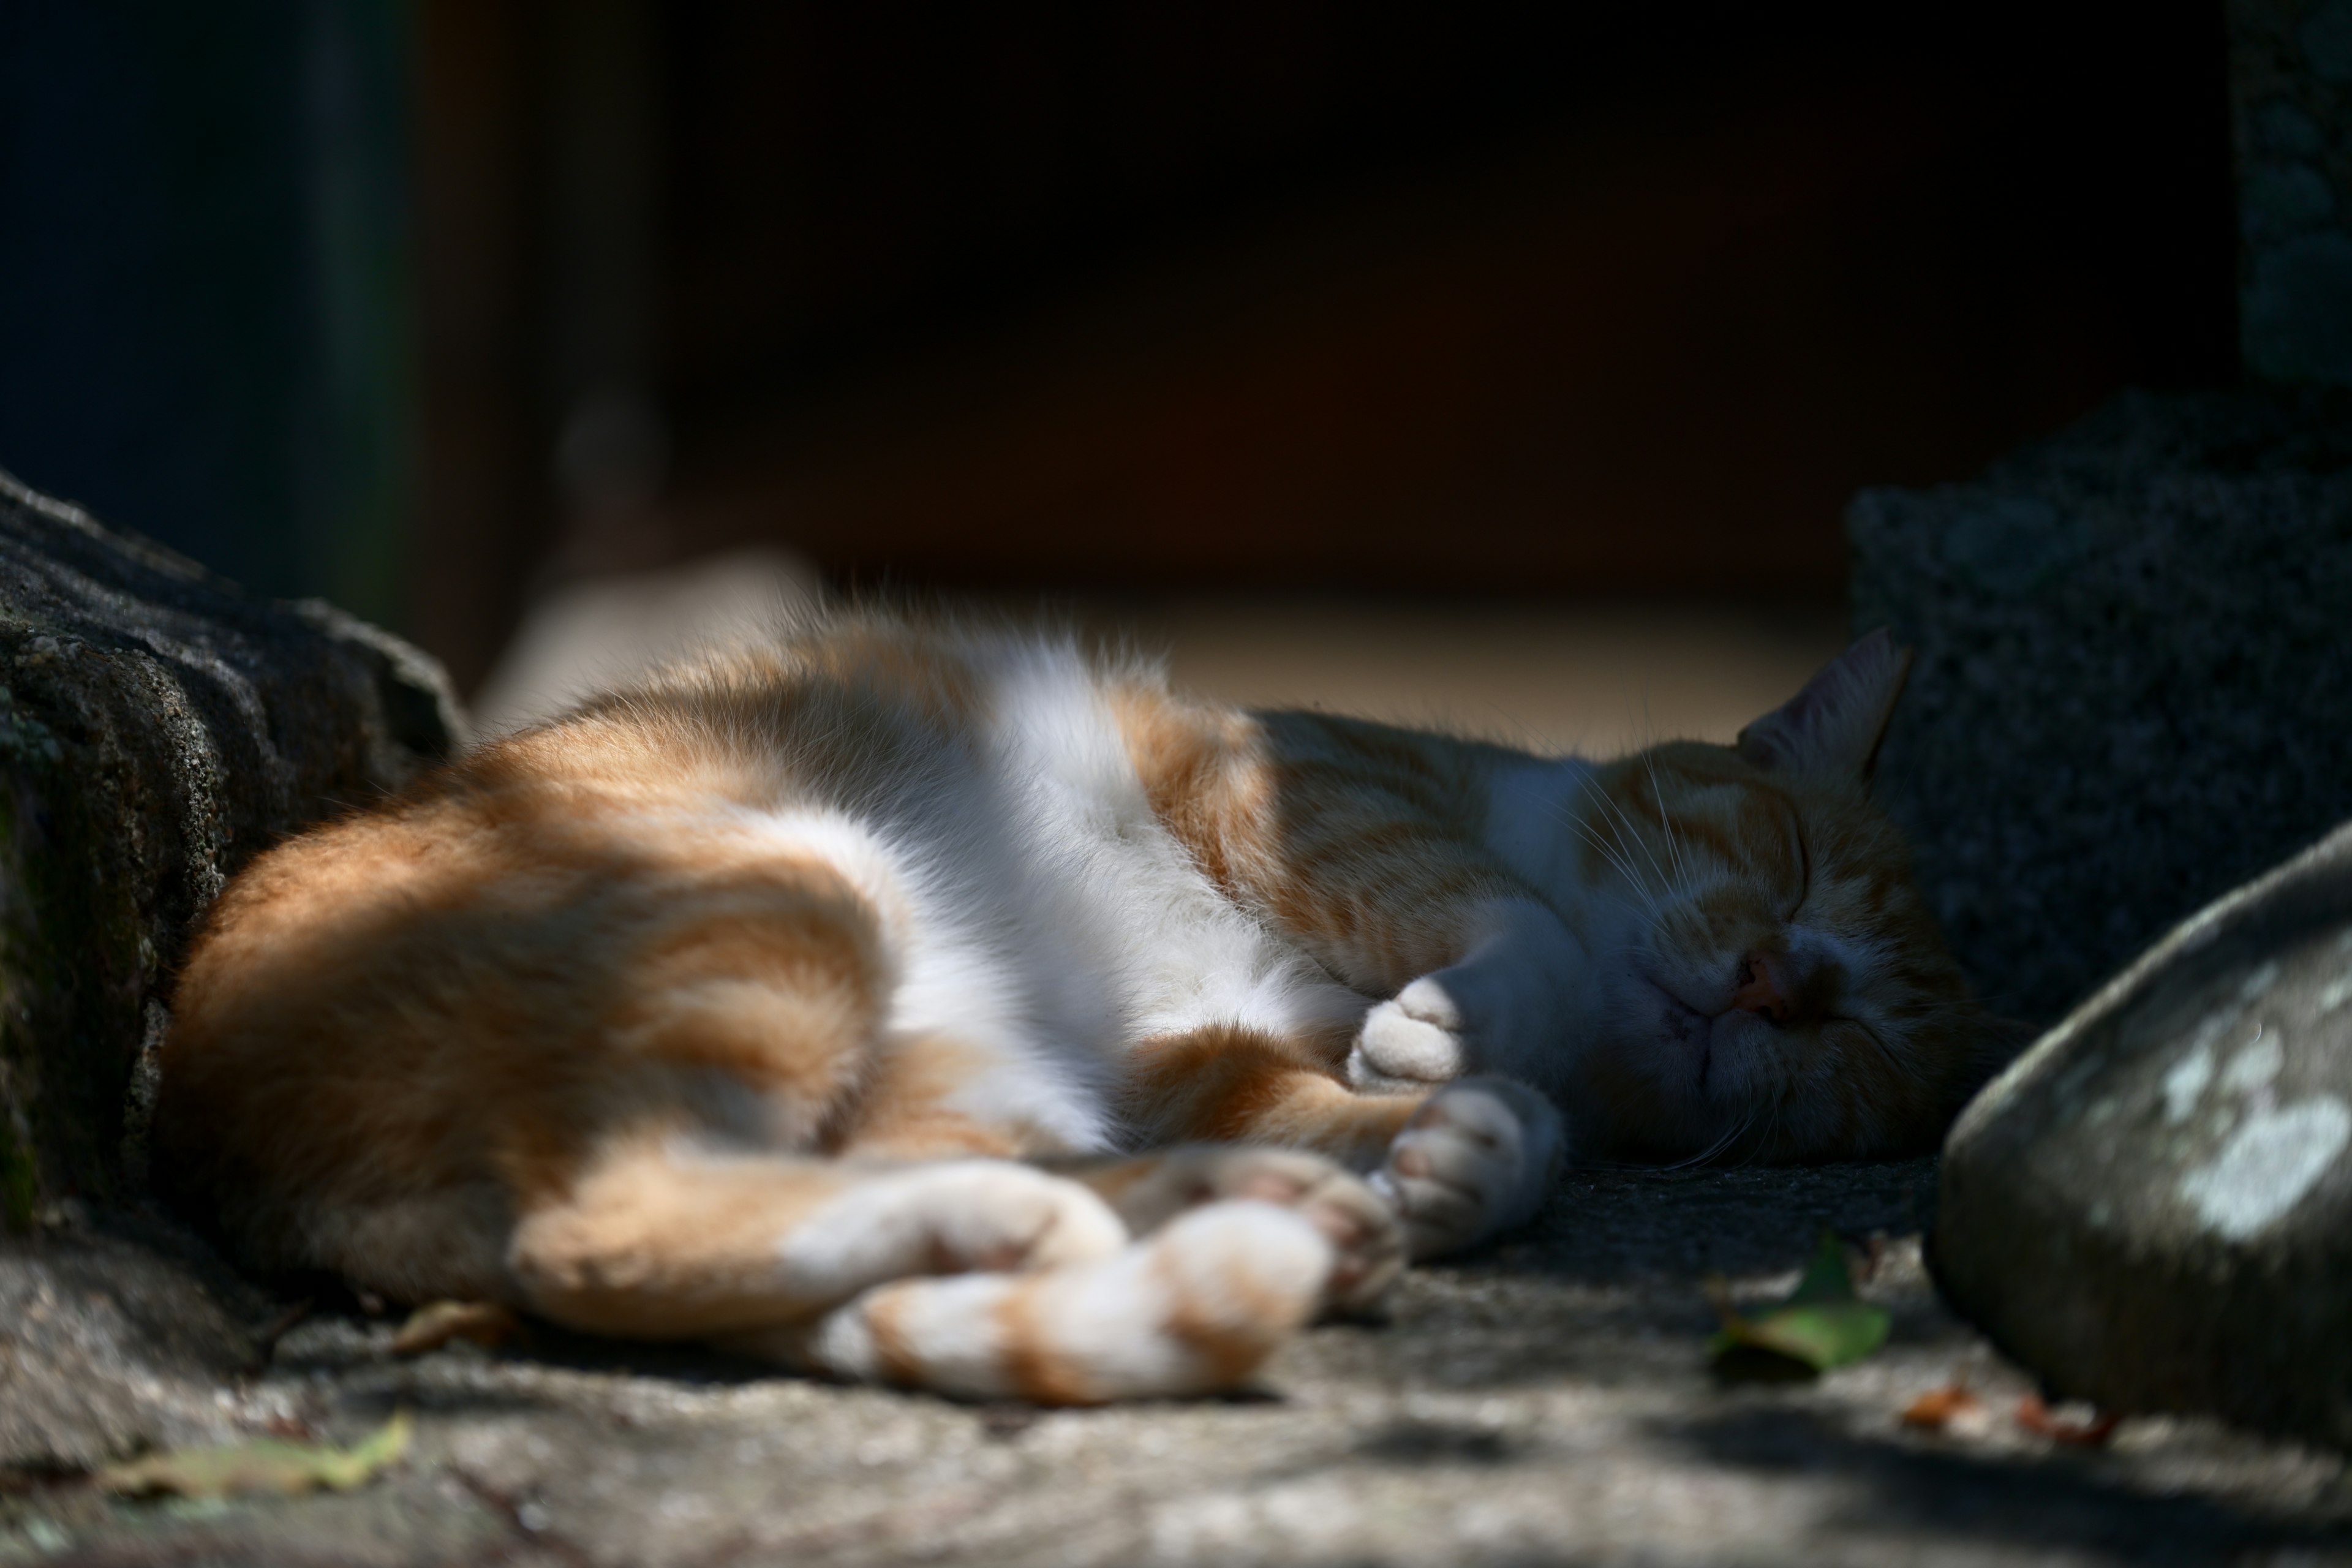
<point x="947" y="1008"/>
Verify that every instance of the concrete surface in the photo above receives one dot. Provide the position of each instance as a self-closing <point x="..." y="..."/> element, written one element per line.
<point x="1550" y="1402"/>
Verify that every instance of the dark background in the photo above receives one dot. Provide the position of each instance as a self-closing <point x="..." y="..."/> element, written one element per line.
<point x="420" y="304"/>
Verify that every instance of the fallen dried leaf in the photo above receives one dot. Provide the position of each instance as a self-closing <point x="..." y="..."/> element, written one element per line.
<point x="1822" y="1325"/>
<point x="266" y="1465"/>
<point x="435" y="1324"/>
<point x="2040" y="1419"/>
<point x="1939" y="1407"/>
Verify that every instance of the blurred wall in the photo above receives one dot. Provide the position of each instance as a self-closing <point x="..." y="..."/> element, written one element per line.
<point x="422" y="302"/>
<point x="1586" y="297"/>
<point x="1390" y="297"/>
<point x="205" y="309"/>
<point x="539" y="232"/>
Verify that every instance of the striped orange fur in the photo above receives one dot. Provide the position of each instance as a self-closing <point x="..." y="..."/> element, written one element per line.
<point x="951" y="1008"/>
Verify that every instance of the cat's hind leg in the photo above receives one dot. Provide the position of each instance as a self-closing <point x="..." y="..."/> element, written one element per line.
<point x="1149" y="1190"/>
<point x="659" y="1241"/>
<point x="1193" y="1308"/>
<point x="910" y="1114"/>
<point x="1211" y="1288"/>
<point x="976" y="1276"/>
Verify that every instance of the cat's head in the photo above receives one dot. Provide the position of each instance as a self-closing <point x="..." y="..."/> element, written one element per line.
<point x="1770" y="984"/>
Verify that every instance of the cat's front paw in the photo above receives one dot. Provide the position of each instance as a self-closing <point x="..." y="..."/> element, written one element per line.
<point x="1475" y="1160"/>
<point x="1411" y="1041"/>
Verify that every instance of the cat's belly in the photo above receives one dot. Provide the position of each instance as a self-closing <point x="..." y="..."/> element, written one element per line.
<point x="1042" y="922"/>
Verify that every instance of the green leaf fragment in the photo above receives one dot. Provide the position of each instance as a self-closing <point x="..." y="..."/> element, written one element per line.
<point x="1821" y="1337"/>
<point x="1822" y="1325"/>
<point x="264" y="1466"/>
<point x="1826" y="1278"/>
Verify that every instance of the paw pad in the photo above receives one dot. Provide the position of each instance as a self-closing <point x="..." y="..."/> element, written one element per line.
<point x="1475" y="1160"/>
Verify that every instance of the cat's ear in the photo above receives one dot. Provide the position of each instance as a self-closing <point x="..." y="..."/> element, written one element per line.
<point x="1832" y="728"/>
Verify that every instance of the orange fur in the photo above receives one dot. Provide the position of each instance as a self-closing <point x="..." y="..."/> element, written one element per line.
<point x="1228" y="1085"/>
<point x="1356" y="838"/>
<point x="610" y="1020"/>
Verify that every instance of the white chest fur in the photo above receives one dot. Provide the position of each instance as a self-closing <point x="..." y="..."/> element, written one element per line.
<point x="1173" y="952"/>
<point x="1048" y="922"/>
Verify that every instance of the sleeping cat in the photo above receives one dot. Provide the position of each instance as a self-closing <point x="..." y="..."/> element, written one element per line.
<point x="947" y="1008"/>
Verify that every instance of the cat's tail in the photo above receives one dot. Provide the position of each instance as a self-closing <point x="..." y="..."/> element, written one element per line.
<point x="1192" y="1309"/>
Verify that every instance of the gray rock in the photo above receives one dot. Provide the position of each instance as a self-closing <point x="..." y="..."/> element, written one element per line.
<point x="117" y="1339"/>
<point x="2153" y="1208"/>
<point x="2134" y="681"/>
<point x="157" y="727"/>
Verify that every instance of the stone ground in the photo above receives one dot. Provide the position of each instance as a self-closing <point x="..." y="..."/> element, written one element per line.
<point x="1548" y="1402"/>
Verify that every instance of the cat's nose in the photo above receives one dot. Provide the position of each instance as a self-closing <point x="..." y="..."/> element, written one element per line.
<point x="1769" y="984"/>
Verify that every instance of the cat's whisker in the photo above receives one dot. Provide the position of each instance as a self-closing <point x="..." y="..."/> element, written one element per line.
<point x="1625" y="826"/>
<point x="1885" y="1049"/>
<point x="1619" y="822"/>
<point x="1724" y="1145"/>
<point x="1621" y="857"/>
<point x="1937" y="1009"/>
<point x="1779" y="1103"/>
<point x="1665" y="820"/>
<point x="1712" y="1149"/>
<point x="1746" y="1124"/>
<point x="1651" y="855"/>
<point x="1754" y="1153"/>
<point x="1610" y="847"/>
<point x="1625" y="868"/>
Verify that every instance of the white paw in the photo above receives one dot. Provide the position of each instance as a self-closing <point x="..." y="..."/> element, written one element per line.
<point x="989" y="1215"/>
<point x="1367" y="1241"/>
<point x="1195" y="1308"/>
<point x="1234" y="1278"/>
<point x="954" y="1217"/>
<point x="1413" y="1040"/>
<point x="1475" y="1161"/>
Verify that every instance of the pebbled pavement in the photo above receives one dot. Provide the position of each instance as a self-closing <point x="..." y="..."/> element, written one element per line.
<point x="1547" y="1402"/>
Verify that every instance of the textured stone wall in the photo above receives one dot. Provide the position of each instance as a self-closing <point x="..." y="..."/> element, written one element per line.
<point x="157" y="727"/>
<point x="2134" y="681"/>
<point x="2290" y="108"/>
